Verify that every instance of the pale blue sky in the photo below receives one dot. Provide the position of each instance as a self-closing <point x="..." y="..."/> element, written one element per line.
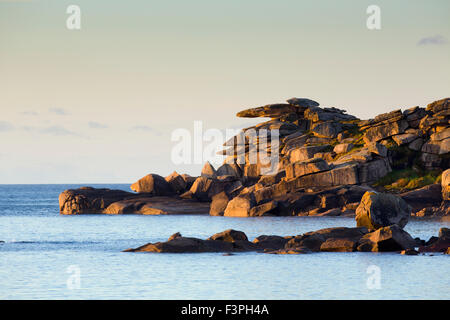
<point x="99" y="104"/>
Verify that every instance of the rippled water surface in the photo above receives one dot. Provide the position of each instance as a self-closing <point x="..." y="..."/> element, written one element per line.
<point x="43" y="251"/>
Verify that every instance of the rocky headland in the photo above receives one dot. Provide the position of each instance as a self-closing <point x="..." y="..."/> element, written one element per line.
<point x="329" y="164"/>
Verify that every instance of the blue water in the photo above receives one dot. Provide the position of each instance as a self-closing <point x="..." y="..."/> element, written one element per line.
<point x="44" y="251"/>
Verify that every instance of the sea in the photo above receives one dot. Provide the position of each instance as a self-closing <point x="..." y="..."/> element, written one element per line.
<point x="45" y="255"/>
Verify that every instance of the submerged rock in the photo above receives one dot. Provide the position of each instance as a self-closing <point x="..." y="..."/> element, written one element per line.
<point x="339" y="239"/>
<point x="226" y="241"/>
<point x="93" y="201"/>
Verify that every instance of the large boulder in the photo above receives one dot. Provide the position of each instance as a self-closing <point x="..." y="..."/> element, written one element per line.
<point x="153" y="184"/>
<point x="386" y="239"/>
<point x="203" y="189"/>
<point x="445" y="182"/>
<point x="89" y="200"/>
<point x="229" y="170"/>
<point x="239" y="206"/>
<point x="229" y="235"/>
<point x="378" y="210"/>
<point x="176" y="182"/>
<point x="208" y="171"/>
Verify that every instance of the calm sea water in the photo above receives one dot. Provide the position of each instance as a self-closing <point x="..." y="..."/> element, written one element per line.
<point x="44" y="252"/>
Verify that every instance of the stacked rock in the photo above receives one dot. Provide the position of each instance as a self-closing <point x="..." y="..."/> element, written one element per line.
<point x="305" y="160"/>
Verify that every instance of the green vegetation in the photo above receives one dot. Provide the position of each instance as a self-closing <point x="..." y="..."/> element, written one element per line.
<point x="408" y="179"/>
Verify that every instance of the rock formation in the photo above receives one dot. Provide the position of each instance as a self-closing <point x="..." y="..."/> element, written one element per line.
<point x="326" y="161"/>
<point x="378" y="210"/>
<point x="88" y="200"/>
<point x="385" y="239"/>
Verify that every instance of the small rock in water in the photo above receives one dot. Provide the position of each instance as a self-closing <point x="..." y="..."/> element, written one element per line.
<point x="410" y="252"/>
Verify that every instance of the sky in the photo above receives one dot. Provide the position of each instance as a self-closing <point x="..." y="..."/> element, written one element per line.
<point x="100" y="104"/>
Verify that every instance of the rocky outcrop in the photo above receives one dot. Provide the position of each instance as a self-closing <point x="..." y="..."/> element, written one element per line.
<point x="208" y="171"/>
<point x="340" y="239"/>
<point x="157" y="206"/>
<point x="323" y="148"/>
<point x="219" y="204"/>
<point x="229" y="235"/>
<point x="325" y="240"/>
<point x="176" y="182"/>
<point x="392" y="238"/>
<point x="226" y="241"/>
<point x="378" y="210"/>
<point x="88" y="200"/>
<point x="321" y="154"/>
